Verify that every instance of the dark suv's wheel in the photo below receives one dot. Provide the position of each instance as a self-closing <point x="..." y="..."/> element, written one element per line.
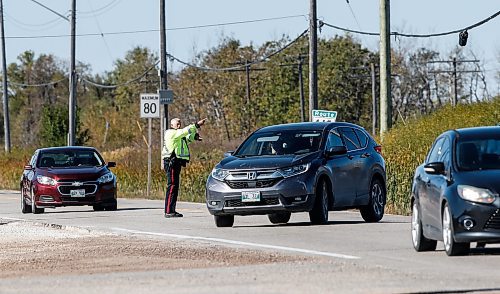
<point x="224" y="220"/>
<point x="112" y="205"/>
<point x="25" y="208"/>
<point x="34" y="208"/>
<point x="319" y="214"/>
<point x="420" y="242"/>
<point x="374" y="211"/>
<point x="279" y="217"/>
<point x="450" y="246"/>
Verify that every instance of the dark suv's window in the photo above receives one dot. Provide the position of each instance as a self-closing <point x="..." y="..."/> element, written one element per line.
<point x="363" y="139"/>
<point x="284" y="142"/>
<point x="351" y="140"/>
<point x="333" y="140"/>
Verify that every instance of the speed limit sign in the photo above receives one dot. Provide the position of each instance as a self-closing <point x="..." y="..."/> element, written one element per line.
<point x="150" y="106"/>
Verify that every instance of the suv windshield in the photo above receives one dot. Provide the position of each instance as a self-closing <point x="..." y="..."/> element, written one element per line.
<point x="478" y="154"/>
<point x="289" y="142"/>
<point x="69" y="158"/>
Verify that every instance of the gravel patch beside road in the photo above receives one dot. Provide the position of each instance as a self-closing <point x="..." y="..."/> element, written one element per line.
<point x="30" y="249"/>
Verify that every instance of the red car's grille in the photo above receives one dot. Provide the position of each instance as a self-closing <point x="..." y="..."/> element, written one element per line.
<point x="265" y="201"/>
<point x="66" y="187"/>
<point x="493" y="222"/>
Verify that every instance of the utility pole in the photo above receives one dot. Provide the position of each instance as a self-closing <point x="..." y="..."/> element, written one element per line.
<point x="374" y="98"/>
<point x="385" y="68"/>
<point x="72" y="79"/>
<point x="454" y="72"/>
<point x="313" y="57"/>
<point x="299" y="64"/>
<point x="6" y="120"/>
<point x="247" y="81"/>
<point x="163" y="71"/>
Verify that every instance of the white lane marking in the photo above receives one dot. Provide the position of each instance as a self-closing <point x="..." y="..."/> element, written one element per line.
<point x="249" y="244"/>
<point x="12" y="218"/>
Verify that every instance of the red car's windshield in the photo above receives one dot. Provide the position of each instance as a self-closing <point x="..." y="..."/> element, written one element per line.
<point x="69" y="158"/>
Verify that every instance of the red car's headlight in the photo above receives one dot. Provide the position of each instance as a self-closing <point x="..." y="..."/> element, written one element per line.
<point x="46" y="180"/>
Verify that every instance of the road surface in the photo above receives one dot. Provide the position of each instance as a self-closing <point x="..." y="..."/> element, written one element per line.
<point x="137" y="250"/>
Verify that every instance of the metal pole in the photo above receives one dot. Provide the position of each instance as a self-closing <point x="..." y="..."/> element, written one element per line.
<point x="149" y="157"/>
<point x="313" y="58"/>
<point x="374" y="99"/>
<point x="6" y="120"/>
<point x="163" y="72"/>
<point x="455" y="98"/>
<point x="247" y="71"/>
<point x="301" y="89"/>
<point x="72" y="79"/>
<point x="385" y="68"/>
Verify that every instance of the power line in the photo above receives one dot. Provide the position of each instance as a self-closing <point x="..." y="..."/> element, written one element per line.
<point x="260" y="60"/>
<point x="50" y="9"/>
<point x="98" y="85"/>
<point x="101" y="10"/>
<point x="100" y="30"/>
<point x="352" y="12"/>
<point x="38" y="85"/>
<point x="413" y="35"/>
<point x="156" y="30"/>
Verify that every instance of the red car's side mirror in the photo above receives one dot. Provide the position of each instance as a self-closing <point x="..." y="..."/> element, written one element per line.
<point x="28" y="167"/>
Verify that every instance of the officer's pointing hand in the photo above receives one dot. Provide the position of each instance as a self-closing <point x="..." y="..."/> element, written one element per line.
<point x="201" y="122"/>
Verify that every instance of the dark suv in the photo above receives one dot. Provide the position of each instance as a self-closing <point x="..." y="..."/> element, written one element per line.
<point x="312" y="166"/>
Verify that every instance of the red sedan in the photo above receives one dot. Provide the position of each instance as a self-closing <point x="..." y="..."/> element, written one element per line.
<point x="67" y="176"/>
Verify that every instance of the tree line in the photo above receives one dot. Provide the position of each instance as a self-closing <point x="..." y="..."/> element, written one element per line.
<point x="108" y="118"/>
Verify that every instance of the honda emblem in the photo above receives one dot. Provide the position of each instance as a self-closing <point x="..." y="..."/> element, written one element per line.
<point x="252" y="175"/>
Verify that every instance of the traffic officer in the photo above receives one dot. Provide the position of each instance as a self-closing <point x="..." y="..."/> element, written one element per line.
<point x="175" y="155"/>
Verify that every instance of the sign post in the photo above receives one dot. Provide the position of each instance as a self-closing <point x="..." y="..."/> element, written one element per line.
<point x="150" y="108"/>
<point x="323" y="115"/>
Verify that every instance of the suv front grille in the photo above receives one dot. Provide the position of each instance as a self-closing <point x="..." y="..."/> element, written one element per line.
<point x="264" y="201"/>
<point x="493" y="222"/>
<point x="252" y="184"/>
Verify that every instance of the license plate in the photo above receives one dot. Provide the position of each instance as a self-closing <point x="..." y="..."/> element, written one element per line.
<point x="253" y="196"/>
<point x="77" y="193"/>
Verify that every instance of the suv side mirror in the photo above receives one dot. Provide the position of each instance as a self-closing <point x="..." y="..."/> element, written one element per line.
<point x="335" y="150"/>
<point x="434" y="168"/>
<point x="111" y="164"/>
<point x="229" y="153"/>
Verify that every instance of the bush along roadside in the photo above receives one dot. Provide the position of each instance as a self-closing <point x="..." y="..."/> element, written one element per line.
<point x="405" y="146"/>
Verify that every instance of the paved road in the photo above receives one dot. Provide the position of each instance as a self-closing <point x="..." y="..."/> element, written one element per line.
<point x="354" y="256"/>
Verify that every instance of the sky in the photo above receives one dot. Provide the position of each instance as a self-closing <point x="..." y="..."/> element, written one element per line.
<point x="29" y="26"/>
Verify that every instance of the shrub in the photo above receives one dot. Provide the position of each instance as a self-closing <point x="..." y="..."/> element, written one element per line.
<point x="406" y="145"/>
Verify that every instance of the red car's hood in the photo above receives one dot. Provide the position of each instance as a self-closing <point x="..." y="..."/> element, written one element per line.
<point x="77" y="173"/>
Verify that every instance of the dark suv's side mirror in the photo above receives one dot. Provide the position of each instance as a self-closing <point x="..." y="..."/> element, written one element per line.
<point x="434" y="168"/>
<point x="111" y="164"/>
<point x="335" y="150"/>
<point x="229" y="153"/>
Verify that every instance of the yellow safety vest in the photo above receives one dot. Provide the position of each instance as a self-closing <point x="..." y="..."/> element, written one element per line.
<point x="177" y="141"/>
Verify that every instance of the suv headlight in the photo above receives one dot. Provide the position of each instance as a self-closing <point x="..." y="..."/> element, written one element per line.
<point x="219" y="174"/>
<point x="294" y="170"/>
<point x="475" y="194"/>
<point x="46" y="180"/>
<point x="106" y="178"/>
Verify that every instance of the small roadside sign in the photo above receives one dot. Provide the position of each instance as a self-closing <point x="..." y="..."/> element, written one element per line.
<point x="166" y="96"/>
<point x="323" y="115"/>
<point x="150" y="105"/>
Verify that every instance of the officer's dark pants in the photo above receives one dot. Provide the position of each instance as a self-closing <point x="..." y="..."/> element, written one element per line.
<point x="173" y="170"/>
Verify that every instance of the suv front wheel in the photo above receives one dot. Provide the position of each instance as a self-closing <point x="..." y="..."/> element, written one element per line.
<point x="319" y="214"/>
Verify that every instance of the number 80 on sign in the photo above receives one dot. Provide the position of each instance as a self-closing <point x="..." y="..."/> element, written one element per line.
<point x="150" y="106"/>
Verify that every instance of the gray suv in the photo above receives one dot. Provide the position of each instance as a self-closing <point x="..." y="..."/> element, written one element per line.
<point x="298" y="167"/>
